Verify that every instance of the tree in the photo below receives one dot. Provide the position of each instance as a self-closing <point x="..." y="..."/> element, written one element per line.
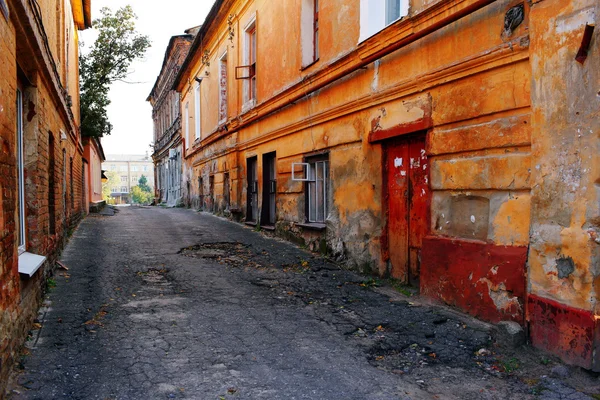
<point x="113" y="181"/>
<point x="140" y="196"/>
<point x="117" y="46"/>
<point x="143" y="184"/>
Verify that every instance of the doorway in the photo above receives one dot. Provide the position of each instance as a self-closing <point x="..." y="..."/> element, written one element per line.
<point x="408" y="205"/>
<point x="252" y="190"/>
<point x="267" y="217"/>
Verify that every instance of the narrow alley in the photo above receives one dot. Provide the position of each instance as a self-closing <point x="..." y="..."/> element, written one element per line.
<point x="170" y="303"/>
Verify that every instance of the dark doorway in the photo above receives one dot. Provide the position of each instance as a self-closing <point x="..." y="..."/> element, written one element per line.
<point x="226" y="191"/>
<point x="211" y="194"/>
<point x="252" y="190"/>
<point x="267" y="217"/>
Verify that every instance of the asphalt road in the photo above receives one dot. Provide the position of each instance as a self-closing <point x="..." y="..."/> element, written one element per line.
<point x="170" y="303"/>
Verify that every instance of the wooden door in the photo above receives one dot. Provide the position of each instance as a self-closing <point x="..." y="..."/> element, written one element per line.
<point x="408" y="205"/>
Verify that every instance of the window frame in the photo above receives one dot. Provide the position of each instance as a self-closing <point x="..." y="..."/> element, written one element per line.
<point x="22" y="237"/>
<point x="186" y="125"/>
<point x="374" y="17"/>
<point x="223" y="83"/>
<point x="249" y="92"/>
<point x="197" y="111"/>
<point x="310" y="167"/>
<point x="315" y="30"/>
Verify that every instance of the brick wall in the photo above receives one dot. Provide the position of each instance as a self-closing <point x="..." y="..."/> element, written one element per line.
<point x="44" y="116"/>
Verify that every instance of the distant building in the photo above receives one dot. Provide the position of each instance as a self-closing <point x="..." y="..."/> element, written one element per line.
<point x="129" y="169"/>
<point x="166" y="114"/>
<point x="93" y="157"/>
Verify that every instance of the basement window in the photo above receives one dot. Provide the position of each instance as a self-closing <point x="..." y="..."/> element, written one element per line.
<point x="315" y="172"/>
<point x="375" y="15"/>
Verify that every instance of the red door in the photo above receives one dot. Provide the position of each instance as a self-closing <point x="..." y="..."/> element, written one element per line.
<point x="408" y="204"/>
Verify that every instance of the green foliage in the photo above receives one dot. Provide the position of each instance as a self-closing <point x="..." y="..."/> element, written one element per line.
<point x="113" y="181"/>
<point x="143" y="184"/>
<point x="117" y="46"/>
<point x="140" y="196"/>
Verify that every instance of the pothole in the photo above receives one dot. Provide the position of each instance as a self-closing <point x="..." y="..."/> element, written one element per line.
<point x="154" y="276"/>
<point x="229" y="251"/>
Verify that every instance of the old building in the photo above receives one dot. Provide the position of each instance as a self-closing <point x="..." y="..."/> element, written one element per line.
<point x="451" y="144"/>
<point x="129" y="168"/>
<point x="166" y="115"/>
<point x="93" y="157"/>
<point x="42" y="179"/>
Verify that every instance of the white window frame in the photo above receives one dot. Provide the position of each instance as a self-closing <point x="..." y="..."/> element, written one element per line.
<point x="310" y="46"/>
<point x="21" y="173"/>
<point x="311" y="177"/>
<point x="186" y="124"/>
<point x="197" y="112"/>
<point x="251" y="25"/>
<point x="373" y="16"/>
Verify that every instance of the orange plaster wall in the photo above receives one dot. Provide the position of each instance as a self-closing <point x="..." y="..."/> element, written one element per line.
<point x="476" y="86"/>
<point x="564" y="252"/>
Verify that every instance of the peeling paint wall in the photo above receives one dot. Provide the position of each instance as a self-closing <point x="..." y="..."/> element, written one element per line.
<point x="564" y="253"/>
<point x="510" y="125"/>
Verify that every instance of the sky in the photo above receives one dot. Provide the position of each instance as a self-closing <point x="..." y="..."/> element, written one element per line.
<point x="130" y="113"/>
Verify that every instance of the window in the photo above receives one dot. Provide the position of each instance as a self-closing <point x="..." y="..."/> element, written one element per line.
<point x="145" y="168"/>
<point x="71" y="184"/>
<point x="123" y="168"/>
<point x="315" y="172"/>
<point x="20" y="172"/>
<point x="377" y="14"/>
<point x="113" y="167"/>
<point x="123" y="178"/>
<point x="124" y="189"/>
<point x="223" y="88"/>
<point x="197" y="111"/>
<point x="114" y="190"/>
<point x="186" y="125"/>
<point x="51" y="185"/>
<point x="252" y="61"/>
<point x="248" y="71"/>
<point x="134" y="168"/>
<point x="309" y="20"/>
<point x="134" y="179"/>
<point x="392" y="11"/>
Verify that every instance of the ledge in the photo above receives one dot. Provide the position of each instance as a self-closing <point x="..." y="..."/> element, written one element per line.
<point x="29" y="263"/>
<point x="313" y="225"/>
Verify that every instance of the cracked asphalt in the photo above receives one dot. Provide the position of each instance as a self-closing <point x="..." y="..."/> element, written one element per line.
<point x="174" y="304"/>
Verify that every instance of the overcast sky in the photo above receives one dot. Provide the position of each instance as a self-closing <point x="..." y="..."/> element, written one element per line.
<point x="130" y="113"/>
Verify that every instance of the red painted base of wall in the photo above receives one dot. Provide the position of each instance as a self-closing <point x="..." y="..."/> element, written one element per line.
<point x="570" y="333"/>
<point x="484" y="280"/>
